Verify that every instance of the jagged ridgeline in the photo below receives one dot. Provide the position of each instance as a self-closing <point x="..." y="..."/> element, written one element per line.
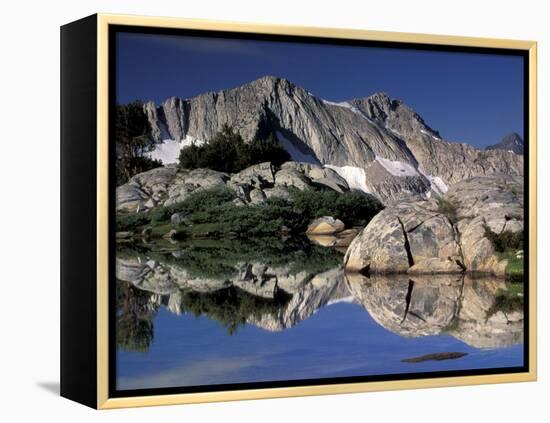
<point x="377" y="144"/>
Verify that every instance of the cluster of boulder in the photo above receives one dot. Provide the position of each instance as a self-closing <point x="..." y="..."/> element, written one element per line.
<point x="168" y="185"/>
<point x="443" y="234"/>
<point x="448" y="234"/>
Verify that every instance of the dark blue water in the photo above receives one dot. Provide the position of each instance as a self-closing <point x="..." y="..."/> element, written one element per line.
<point x="337" y="341"/>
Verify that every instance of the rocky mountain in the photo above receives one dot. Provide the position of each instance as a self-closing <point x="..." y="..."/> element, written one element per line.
<point x="511" y="142"/>
<point x="377" y="144"/>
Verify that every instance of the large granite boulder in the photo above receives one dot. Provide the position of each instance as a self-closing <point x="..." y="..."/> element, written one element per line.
<point x="144" y="188"/>
<point x="164" y="186"/>
<point x="292" y="178"/>
<point x="447" y="235"/>
<point x="258" y="176"/>
<point x="130" y="198"/>
<point x="188" y="181"/>
<point x="318" y="175"/>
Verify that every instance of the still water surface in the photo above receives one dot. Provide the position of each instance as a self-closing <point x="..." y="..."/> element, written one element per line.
<point x="217" y="313"/>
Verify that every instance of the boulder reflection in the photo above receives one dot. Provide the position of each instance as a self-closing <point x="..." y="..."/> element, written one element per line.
<point x="277" y="293"/>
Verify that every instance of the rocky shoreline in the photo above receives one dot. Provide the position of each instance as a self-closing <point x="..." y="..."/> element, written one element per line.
<point x="444" y="234"/>
<point x="448" y="234"/>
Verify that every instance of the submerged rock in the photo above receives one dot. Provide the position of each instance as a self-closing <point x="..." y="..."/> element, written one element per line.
<point x="435" y="357"/>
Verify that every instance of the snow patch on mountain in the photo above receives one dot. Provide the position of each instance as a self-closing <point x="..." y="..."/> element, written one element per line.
<point x="347" y="105"/>
<point x="355" y="177"/>
<point x="396" y="133"/>
<point x="168" y="150"/>
<point x="397" y="168"/>
<point x="437" y="184"/>
<point x="338" y="104"/>
<point x="295" y="153"/>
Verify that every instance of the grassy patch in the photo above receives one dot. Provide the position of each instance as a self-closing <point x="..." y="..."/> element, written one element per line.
<point x="514" y="269"/>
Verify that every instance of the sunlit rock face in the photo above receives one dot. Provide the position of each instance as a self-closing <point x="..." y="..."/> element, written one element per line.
<point x="457" y="305"/>
<point x="443" y="235"/>
<point x="376" y="143"/>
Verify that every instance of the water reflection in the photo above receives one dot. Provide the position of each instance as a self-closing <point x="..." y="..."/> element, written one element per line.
<point x="458" y="305"/>
<point x="275" y="286"/>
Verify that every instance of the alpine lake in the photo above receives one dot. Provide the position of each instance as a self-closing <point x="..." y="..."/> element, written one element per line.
<point x="209" y="312"/>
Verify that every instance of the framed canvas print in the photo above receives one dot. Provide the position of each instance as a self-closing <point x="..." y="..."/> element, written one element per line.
<point x="254" y="211"/>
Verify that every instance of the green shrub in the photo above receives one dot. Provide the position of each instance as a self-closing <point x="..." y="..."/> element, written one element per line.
<point x="212" y="214"/>
<point x="131" y="221"/>
<point x="352" y="208"/>
<point x="228" y="152"/>
<point x="506" y="240"/>
<point x="196" y="202"/>
<point x="247" y="221"/>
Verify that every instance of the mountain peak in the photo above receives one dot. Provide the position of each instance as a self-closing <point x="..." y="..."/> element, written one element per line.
<point x="380" y="96"/>
<point x="394" y="114"/>
<point x="269" y="80"/>
<point x="510" y="142"/>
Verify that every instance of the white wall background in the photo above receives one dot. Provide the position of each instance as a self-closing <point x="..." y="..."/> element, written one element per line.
<point x="29" y="98"/>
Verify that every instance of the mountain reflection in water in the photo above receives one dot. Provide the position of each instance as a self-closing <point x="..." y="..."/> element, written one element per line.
<point x="275" y="287"/>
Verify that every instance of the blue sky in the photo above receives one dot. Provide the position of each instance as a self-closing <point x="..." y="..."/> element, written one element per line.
<point x="473" y="98"/>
